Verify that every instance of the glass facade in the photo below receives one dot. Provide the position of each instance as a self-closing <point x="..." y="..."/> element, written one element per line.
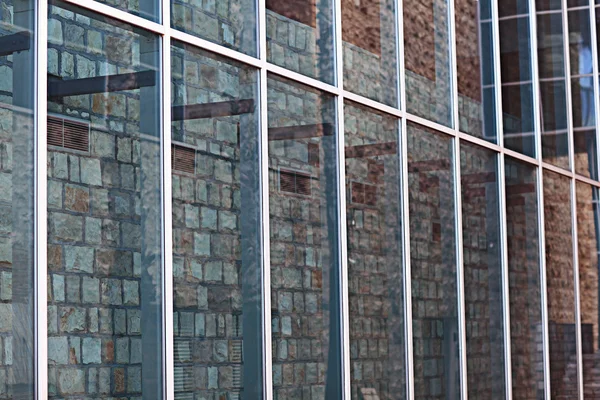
<point x="335" y="199"/>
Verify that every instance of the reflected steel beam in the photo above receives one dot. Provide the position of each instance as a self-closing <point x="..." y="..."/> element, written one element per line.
<point x="301" y="132"/>
<point x="211" y="110"/>
<point x="101" y="84"/>
<point x="16" y="42"/>
<point x="371" y="150"/>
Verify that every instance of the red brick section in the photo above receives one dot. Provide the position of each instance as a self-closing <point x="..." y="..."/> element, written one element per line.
<point x="419" y="39"/>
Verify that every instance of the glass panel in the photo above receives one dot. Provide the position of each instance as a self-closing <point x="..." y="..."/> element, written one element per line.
<point x="525" y="293"/>
<point x="586" y="159"/>
<point x="216" y="243"/>
<point x="587" y="231"/>
<point x="17" y="102"/>
<point x="375" y="272"/>
<point x="546" y="5"/>
<point x="551" y="65"/>
<point x="433" y="265"/>
<point x="305" y="274"/>
<point x="149" y="9"/>
<point x="427" y="60"/>
<point x="104" y="212"/>
<point x="482" y="273"/>
<point x="475" y="63"/>
<point x="507" y="8"/>
<point x="517" y="93"/>
<point x="300" y="37"/>
<point x="369" y="35"/>
<point x="230" y="23"/>
<point x="560" y="282"/>
<point x="582" y="92"/>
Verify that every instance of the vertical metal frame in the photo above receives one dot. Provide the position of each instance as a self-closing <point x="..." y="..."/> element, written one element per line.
<point x="167" y="201"/>
<point x="595" y="78"/>
<point x="460" y="268"/>
<point x="540" y="190"/>
<point x="264" y="67"/>
<point x="40" y="213"/>
<point x="573" y="204"/>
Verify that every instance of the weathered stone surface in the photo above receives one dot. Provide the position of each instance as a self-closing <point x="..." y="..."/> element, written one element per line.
<point x="79" y="259"/>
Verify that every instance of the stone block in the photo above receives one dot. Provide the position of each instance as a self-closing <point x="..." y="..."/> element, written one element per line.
<point x="58" y="350"/>
<point x="66" y="227"/>
<point x="91" y="173"/>
<point x="71" y="381"/>
<point x="202" y="244"/>
<point x="72" y="319"/>
<point x="111" y="290"/>
<point x="91" y="350"/>
<point x="77" y="198"/>
<point x="90" y="290"/>
<point x="79" y="259"/>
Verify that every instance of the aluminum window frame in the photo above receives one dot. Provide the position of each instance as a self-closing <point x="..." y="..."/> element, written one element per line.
<point x="166" y="33"/>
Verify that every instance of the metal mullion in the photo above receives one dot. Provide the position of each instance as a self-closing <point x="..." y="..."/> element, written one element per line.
<point x="556" y="169"/>
<point x="371" y="103"/>
<point x="585" y="179"/>
<point x="167" y="201"/>
<point x="429" y="124"/>
<point x="41" y="212"/>
<point x="264" y="202"/>
<point x="502" y="201"/>
<point x="123" y="16"/>
<point x="405" y="208"/>
<point x="540" y="192"/>
<point x="479" y="142"/>
<point x="576" y="294"/>
<point x="341" y="196"/>
<point x="305" y="80"/>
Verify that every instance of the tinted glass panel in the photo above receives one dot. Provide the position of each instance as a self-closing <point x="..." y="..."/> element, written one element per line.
<point x="525" y="293"/>
<point x="300" y="37"/>
<point x="560" y="281"/>
<point x="475" y="63"/>
<point x="305" y="272"/>
<point x="433" y="264"/>
<point x="587" y="231"/>
<point x="17" y="99"/>
<point x="228" y="23"/>
<point x="104" y="219"/>
<point x="427" y="60"/>
<point x="369" y="40"/>
<point x="375" y="273"/>
<point x="586" y="158"/>
<point x="517" y="91"/>
<point x="216" y="242"/>
<point x="482" y="273"/>
<point x="551" y="66"/>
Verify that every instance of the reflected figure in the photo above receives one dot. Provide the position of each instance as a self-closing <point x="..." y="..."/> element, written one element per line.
<point x="586" y="84"/>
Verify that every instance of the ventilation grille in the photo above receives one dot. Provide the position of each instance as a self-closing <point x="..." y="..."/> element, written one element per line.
<point x="363" y="193"/>
<point x="68" y="134"/>
<point x="294" y="182"/>
<point x="183" y="159"/>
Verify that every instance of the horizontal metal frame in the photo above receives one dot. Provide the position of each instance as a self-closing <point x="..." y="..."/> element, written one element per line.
<point x="168" y="34"/>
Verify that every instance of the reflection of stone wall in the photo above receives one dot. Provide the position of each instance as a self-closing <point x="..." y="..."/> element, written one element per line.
<point x="300" y="252"/>
<point x="206" y="232"/>
<point x="94" y="217"/>
<point x="524" y="281"/>
<point x="435" y="325"/>
<point x="374" y="262"/>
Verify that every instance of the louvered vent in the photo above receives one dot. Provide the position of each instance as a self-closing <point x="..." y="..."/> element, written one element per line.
<point x="294" y="182"/>
<point x="68" y="134"/>
<point x="183" y="159"/>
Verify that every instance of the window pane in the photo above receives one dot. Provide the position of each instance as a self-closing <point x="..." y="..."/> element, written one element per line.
<point x="104" y="212"/>
<point x="587" y="231"/>
<point x="300" y="37"/>
<point x="553" y="97"/>
<point x="560" y="282"/>
<point x="525" y="293"/>
<point x="517" y="91"/>
<point x="482" y="273"/>
<point x="433" y="264"/>
<point x="475" y="63"/>
<point x="216" y="243"/>
<point x="369" y="35"/>
<point x="305" y="296"/>
<point x="582" y="92"/>
<point x="228" y="23"/>
<point x="427" y="60"/>
<point x="17" y="100"/>
<point x="375" y="271"/>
